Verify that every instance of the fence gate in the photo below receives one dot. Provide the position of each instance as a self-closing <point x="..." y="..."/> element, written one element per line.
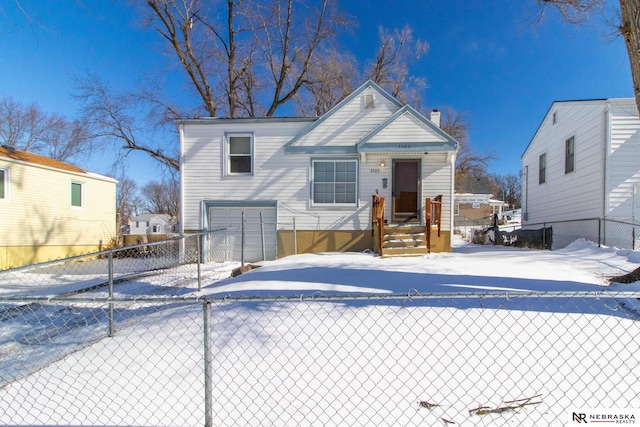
<point x="259" y="233"/>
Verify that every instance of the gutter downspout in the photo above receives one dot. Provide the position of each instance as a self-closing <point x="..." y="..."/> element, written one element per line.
<point x="525" y="209"/>
<point x="605" y="154"/>
<point x="451" y="196"/>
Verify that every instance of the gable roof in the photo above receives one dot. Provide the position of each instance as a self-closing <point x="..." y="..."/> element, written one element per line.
<point x="293" y="145"/>
<point x="351" y="128"/>
<point x="425" y="135"/>
<point x="19" y="156"/>
<point x="473" y="185"/>
<point x="37" y="159"/>
<point x="576" y="102"/>
<point x="149" y="216"/>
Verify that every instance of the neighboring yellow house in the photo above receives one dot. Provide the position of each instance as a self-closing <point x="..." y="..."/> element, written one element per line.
<point x="51" y="209"/>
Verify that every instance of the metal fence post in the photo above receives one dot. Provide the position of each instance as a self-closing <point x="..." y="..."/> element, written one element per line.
<point x="295" y="237"/>
<point x="262" y="236"/>
<point x="208" y="369"/>
<point x="242" y="240"/>
<point x="112" y="329"/>
<point x="599" y="233"/>
<point x="198" y="255"/>
<point x="544" y="235"/>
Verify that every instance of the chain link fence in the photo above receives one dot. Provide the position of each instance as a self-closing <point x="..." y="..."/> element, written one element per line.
<point x="410" y="360"/>
<point x="170" y="267"/>
<point x="603" y="231"/>
<point x="555" y="234"/>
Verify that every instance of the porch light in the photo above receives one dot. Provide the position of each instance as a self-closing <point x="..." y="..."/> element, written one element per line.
<point x="382" y="164"/>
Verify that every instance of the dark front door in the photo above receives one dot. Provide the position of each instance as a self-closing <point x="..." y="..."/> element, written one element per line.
<point x="405" y="191"/>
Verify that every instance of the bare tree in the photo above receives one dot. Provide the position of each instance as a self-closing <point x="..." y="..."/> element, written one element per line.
<point x="250" y="52"/>
<point x="506" y="188"/>
<point x="390" y="69"/>
<point x="469" y="163"/>
<point x="21" y="126"/>
<point x="127" y="200"/>
<point x="337" y="73"/>
<point x="328" y="82"/>
<point x="114" y="117"/>
<point x="28" y="128"/>
<point x="162" y="197"/>
<point x="576" y="11"/>
<point x="289" y="32"/>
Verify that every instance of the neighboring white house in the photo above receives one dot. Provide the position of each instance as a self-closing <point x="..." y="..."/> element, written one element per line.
<point x="474" y="205"/>
<point x="315" y="174"/>
<point x="152" y="224"/>
<point x="51" y="209"/>
<point x="583" y="163"/>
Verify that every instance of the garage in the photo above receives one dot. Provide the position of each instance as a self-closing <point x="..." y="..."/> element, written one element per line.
<point x="231" y="239"/>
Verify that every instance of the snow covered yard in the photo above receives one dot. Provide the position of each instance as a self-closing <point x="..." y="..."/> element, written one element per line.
<point x="294" y="343"/>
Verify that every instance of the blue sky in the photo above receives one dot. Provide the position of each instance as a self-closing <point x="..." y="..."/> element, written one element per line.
<point x="487" y="59"/>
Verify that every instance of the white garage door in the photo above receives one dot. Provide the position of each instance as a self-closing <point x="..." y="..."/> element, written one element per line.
<point x="259" y="236"/>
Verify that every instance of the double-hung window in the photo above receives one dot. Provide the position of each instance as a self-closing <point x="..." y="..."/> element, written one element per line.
<point x="569" y="157"/>
<point x="542" y="168"/>
<point x="4" y="184"/>
<point x="239" y="154"/>
<point x="334" y="182"/>
<point x="77" y="194"/>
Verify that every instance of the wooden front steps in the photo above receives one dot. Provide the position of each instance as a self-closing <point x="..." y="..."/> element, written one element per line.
<point x="403" y="240"/>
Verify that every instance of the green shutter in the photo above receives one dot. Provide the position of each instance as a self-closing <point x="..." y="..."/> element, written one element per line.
<point x="76" y="194"/>
<point x="2" y="178"/>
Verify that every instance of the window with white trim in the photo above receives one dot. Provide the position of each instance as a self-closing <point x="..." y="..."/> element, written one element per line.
<point x="569" y="157"/>
<point x="77" y="194"/>
<point x="4" y="184"/>
<point x="334" y="182"/>
<point x="239" y="154"/>
<point x="542" y="168"/>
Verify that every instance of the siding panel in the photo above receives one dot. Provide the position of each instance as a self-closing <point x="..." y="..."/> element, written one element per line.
<point x="576" y="194"/>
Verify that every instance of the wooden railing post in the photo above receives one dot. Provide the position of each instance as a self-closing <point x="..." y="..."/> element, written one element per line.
<point x="377" y="219"/>
<point x="427" y="211"/>
<point x="433" y="213"/>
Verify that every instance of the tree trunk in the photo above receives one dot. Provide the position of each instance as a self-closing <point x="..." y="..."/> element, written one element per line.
<point x="630" y="29"/>
<point x="631" y="277"/>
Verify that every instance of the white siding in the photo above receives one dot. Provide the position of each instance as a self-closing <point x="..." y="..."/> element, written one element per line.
<point x="406" y="128"/>
<point x="623" y="166"/>
<point x="436" y="180"/>
<point x="285" y="178"/>
<point x="275" y="177"/>
<point x="351" y="123"/>
<point x="573" y="195"/>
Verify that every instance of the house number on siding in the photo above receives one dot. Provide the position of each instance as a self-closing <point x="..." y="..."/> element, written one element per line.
<point x="375" y="170"/>
<point x="404" y="146"/>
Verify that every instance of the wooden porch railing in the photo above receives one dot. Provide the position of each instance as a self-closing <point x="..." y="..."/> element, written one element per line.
<point x="433" y="212"/>
<point x="377" y="219"/>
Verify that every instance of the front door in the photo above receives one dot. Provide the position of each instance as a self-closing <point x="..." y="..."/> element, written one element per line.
<point x="405" y="187"/>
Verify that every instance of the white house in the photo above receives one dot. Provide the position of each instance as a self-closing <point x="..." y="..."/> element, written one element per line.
<point x="474" y="204"/>
<point x="583" y="163"/>
<point x="315" y="175"/>
<point x="51" y="209"/>
<point x="152" y="224"/>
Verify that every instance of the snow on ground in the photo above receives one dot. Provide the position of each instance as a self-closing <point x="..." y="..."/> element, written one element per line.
<point x="355" y="362"/>
<point x="581" y="266"/>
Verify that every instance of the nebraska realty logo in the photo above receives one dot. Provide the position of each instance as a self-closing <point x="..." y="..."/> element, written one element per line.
<point x="604" y="416"/>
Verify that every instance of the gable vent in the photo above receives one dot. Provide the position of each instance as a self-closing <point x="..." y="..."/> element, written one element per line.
<point x="368" y="101"/>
